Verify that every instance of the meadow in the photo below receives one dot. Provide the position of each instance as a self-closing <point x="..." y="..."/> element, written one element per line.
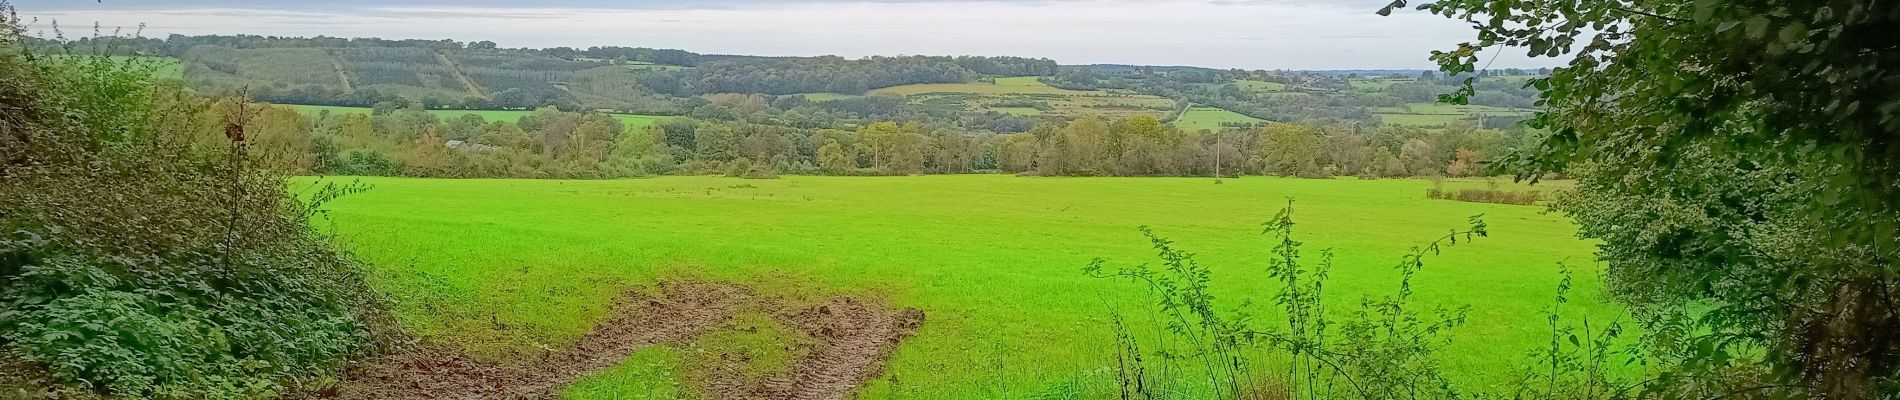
<point x="1261" y="86"/>
<point x="1005" y="85"/>
<point x="631" y="121"/>
<point x="994" y="261"/>
<point x="822" y="96"/>
<point x="1440" y="114"/>
<point x="1210" y="118"/>
<point x="1004" y="92"/>
<point x="1377" y="83"/>
<point x="166" y="67"/>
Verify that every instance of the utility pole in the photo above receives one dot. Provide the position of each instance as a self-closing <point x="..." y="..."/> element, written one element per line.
<point x="1217" y="151"/>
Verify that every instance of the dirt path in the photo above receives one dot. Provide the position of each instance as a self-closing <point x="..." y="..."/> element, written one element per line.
<point x="342" y="73"/>
<point x="460" y="75"/>
<point x="852" y="336"/>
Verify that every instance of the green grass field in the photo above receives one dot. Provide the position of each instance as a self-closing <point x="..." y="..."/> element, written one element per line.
<point x="1009" y="85"/>
<point x="1425" y="120"/>
<point x="1210" y="118"/>
<point x="828" y="96"/>
<point x="994" y="261"/>
<point x="1453" y="109"/>
<point x="1439" y="114"/>
<point x="167" y="67"/>
<point x="1018" y="111"/>
<point x="643" y="66"/>
<point x="1261" y="86"/>
<point x="1377" y="83"/>
<point x="631" y="121"/>
<point x="978" y="96"/>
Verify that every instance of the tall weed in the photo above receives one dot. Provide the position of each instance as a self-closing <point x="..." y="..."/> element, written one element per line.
<point x="1385" y="349"/>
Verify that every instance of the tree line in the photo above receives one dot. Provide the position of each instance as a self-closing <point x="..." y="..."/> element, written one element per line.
<point x="550" y="143"/>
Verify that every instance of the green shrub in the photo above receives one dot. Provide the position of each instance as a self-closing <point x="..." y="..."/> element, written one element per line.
<point x="142" y="252"/>
<point x="176" y="328"/>
<point x="1490" y="194"/>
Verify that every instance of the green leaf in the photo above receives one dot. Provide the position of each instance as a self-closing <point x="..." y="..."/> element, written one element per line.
<point x="1757" y="27"/>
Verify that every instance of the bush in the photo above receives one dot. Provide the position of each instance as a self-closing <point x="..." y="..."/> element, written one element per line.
<point x="759" y="171"/>
<point x="174" y="328"/>
<point x="142" y="252"/>
<point x="1490" y="194"/>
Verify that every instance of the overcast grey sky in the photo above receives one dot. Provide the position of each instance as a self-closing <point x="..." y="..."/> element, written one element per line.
<point x="1251" y="34"/>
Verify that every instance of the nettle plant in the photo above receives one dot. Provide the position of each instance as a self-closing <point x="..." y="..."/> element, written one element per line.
<point x="1384" y="349"/>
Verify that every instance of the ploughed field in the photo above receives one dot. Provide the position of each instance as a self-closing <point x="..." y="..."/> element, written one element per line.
<point x="978" y="277"/>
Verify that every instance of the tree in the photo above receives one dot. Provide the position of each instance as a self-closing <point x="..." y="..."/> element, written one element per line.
<point x="1348" y="153"/>
<point x="282" y="136"/>
<point x="592" y="139"/>
<point x="835" y="159"/>
<point x="1290" y="150"/>
<point x="640" y="152"/>
<point x="1465" y="163"/>
<point x="1017" y="152"/>
<point x="894" y="149"/>
<point x="679" y="132"/>
<point x="555" y="129"/>
<point x="1419" y="158"/>
<point x="715" y="142"/>
<point x="1773" y="124"/>
<point x="762" y="147"/>
<point x="1140" y="146"/>
<point x="1386" y="165"/>
<point x="505" y="134"/>
<point x="1077" y="149"/>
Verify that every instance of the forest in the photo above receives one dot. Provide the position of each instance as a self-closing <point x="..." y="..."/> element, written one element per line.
<point x="550" y="143"/>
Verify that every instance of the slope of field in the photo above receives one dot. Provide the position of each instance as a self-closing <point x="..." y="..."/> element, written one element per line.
<point x="1010" y="85"/>
<point x="993" y="261"/>
<point x="1261" y="86"/>
<point x="165" y="67"/>
<point x="631" y="121"/>
<point x="828" y="96"/>
<point x="1009" y="95"/>
<point x="1210" y="118"/>
<point x="1377" y="83"/>
<point x="1440" y="114"/>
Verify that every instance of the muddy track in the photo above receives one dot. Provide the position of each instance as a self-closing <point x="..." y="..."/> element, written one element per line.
<point x="857" y="338"/>
<point x="852" y="339"/>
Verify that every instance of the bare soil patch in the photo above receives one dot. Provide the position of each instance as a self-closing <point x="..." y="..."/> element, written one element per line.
<point x="851" y="338"/>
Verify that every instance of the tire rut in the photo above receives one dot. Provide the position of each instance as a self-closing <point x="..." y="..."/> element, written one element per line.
<point x="852" y="338"/>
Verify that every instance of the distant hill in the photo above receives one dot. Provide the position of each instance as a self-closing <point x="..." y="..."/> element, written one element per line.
<point x="1125" y="68"/>
<point x="824" y="91"/>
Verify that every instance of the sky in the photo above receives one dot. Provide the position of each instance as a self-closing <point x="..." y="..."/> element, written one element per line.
<point x="1248" y="34"/>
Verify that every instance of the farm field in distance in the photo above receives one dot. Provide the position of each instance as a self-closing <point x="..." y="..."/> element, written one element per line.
<point x="631" y="121"/>
<point x="1210" y="118"/>
<point x="1439" y="114"/>
<point x="995" y="262"/>
<point x="1025" y="95"/>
